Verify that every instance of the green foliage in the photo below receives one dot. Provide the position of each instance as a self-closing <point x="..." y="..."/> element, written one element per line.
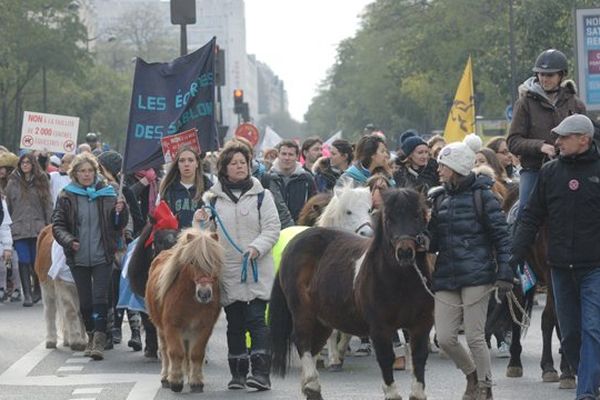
<point x="402" y="68"/>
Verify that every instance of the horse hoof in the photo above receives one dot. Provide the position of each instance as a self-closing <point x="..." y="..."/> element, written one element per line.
<point x="550" y="376"/>
<point x="567" y="383"/>
<point x="312" y="394"/>
<point x="320" y="364"/>
<point x="177" y="387"/>
<point x="514" y="372"/>
<point x="198" y="388"/>
<point x="335" y="368"/>
<point x="416" y="398"/>
<point x="165" y="384"/>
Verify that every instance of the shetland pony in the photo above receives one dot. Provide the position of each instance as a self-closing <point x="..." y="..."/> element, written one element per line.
<point x="59" y="297"/>
<point x="313" y="209"/>
<point x="331" y="279"/>
<point x="183" y="299"/>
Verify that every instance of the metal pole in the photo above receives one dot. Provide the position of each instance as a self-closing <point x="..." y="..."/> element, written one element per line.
<point x="44" y="90"/>
<point x="513" y="84"/>
<point x="183" y="40"/>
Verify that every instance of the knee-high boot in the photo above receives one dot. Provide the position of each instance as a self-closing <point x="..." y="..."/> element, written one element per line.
<point x="25" y="272"/>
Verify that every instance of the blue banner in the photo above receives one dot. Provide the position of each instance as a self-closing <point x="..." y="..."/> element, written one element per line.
<point x="169" y="98"/>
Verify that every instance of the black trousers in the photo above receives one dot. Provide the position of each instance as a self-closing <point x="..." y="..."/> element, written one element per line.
<point x="245" y="317"/>
<point x="93" y="284"/>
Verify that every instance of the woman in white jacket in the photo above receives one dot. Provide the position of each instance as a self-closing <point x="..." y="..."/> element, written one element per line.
<point x="249" y="216"/>
<point x="6" y="243"/>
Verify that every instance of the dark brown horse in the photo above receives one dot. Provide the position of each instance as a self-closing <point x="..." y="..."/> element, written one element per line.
<point x="500" y="316"/>
<point x="330" y="279"/>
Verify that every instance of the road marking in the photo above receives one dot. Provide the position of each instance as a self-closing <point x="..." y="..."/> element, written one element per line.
<point x="75" y="368"/>
<point x="78" y="360"/>
<point x="27" y="363"/>
<point x="83" y="398"/>
<point x="87" y="391"/>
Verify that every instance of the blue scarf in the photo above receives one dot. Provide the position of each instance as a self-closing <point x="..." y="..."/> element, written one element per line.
<point x="91" y="192"/>
<point x="358" y="173"/>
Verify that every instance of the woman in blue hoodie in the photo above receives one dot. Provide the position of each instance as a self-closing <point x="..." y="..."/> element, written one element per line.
<point x="183" y="186"/>
<point x="371" y="154"/>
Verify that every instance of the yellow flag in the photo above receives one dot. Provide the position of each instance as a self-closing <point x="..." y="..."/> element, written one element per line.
<point x="461" y="119"/>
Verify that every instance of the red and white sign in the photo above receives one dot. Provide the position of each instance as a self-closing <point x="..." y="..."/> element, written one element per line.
<point x="50" y="132"/>
<point x="248" y="132"/>
<point x="171" y="144"/>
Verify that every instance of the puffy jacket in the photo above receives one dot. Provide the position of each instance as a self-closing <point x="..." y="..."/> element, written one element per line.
<point x="246" y="227"/>
<point x="535" y="116"/>
<point x="295" y="189"/>
<point x="566" y="198"/>
<point x="65" y="223"/>
<point x="421" y="180"/>
<point x="472" y="251"/>
<point x="29" y="213"/>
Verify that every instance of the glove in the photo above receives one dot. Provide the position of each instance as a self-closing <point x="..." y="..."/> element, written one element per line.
<point x="503" y="288"/>
<point x="150" y="174"/>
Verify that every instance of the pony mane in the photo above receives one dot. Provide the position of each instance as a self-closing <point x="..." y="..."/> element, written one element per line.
<point x="313" y="209"/>
<point x="343" y="199"/>
<point x="196" y="249"/>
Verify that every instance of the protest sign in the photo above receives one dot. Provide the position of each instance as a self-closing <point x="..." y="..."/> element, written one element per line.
<point x="50" y="132"/>
<point x="172" y="143"/>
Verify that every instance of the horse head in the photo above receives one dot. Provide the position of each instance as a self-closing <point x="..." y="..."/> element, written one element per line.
<point x="164" y="239"/>
<point x="201" y="251"/>
<point x="349" y="210"/>
<point x="313" y="209"/>
<point x="403" y="220"/>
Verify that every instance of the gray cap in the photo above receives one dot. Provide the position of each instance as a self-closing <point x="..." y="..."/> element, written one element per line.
<point x="575" y="124"/>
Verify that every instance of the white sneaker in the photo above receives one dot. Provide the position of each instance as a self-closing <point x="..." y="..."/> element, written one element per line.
<point x="503" y="351"/>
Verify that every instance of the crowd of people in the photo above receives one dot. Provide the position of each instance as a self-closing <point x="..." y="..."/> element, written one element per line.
<point x="549" y="157"/>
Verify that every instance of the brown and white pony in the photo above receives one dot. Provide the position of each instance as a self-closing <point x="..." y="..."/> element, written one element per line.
<point x="330" y="279"/>
<point x="183" y="299"/>
<point x="59" y="298"/>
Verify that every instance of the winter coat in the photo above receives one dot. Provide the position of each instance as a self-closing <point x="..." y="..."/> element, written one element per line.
<point x="472" y="252"/>
<point x="566" y="199"/>
<point x="6" y="241"/>
<point x="535" y="116"/>
<point x="325" y="175"/>
<point x="29" y="213"/>
<point x="295" y="189"/>
<point x="246" y="227"/>
<point x="421" y="180"/>
<point x="66" y="229"/>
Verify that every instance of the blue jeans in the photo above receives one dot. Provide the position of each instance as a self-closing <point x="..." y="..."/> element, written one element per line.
<point x="577" y="300"/>
<point x="528" y="179"/>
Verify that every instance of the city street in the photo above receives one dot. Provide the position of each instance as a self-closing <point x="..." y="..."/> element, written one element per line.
<point x="29" y="371"/>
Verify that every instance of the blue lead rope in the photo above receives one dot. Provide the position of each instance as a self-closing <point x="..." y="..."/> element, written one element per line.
<point x="245" y="256"/>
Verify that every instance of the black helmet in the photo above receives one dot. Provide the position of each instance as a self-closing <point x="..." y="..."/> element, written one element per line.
<point x="551" y="60"/>
<point x="91" y="138"/>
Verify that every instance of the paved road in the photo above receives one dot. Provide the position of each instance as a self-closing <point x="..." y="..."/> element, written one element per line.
<point x="29" y="371"/>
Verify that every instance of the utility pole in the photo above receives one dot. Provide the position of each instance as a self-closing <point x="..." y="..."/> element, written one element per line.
<point x="183" y="13"/>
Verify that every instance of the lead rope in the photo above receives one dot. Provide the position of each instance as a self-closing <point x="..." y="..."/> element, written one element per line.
<point x="510" y="298"/>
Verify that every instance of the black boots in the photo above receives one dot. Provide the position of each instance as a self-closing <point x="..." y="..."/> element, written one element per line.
<point x="261" y="368"/>
<point x="136" y="340"/>
<point x="239" y="370"/>
<point x="25" y="272"/>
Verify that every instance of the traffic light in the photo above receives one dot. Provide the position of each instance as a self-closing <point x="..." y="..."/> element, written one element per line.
<point x="238" y="101"/>
<point x="219" y="66"/>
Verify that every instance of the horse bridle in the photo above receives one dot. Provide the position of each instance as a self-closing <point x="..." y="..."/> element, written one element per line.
<point x="362" y="226"/>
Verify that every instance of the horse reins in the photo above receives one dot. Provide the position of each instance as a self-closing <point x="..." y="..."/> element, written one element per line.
<point x="510" y="298"/>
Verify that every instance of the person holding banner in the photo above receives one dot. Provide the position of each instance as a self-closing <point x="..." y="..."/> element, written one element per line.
<point x="183" y="186"/>
<point x="544" y="101"/>
<point x="30" y="207"/>
<point x="87" y="222"/>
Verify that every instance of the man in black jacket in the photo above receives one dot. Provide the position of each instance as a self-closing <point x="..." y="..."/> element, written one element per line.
<point x="566" y="199"/>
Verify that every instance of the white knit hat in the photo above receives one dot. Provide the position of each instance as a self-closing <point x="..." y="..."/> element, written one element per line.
<point x="460" y="156"/>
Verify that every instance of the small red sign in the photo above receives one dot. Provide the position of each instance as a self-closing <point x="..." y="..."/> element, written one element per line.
<point x="171" y="144"/>
<point x="248" y="132"/>
<point x="594" y="61"/>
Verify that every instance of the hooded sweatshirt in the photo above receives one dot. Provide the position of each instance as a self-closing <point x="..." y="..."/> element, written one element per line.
<point x="295" y="188"/>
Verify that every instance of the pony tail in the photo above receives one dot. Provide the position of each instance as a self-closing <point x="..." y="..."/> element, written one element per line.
<point x="280" y="323"/>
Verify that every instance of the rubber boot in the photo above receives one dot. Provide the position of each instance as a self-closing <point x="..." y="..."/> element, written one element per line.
<point x="36" y="290"/>
<point x="25" y="272"/>
<point x="471" y="390"/>
<point x="136" y="340"/>
<point x="239" y="370"/>
<point x="261" y="368"/>
<point x="110" y="322"/>
<point x="98" y="344"/>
